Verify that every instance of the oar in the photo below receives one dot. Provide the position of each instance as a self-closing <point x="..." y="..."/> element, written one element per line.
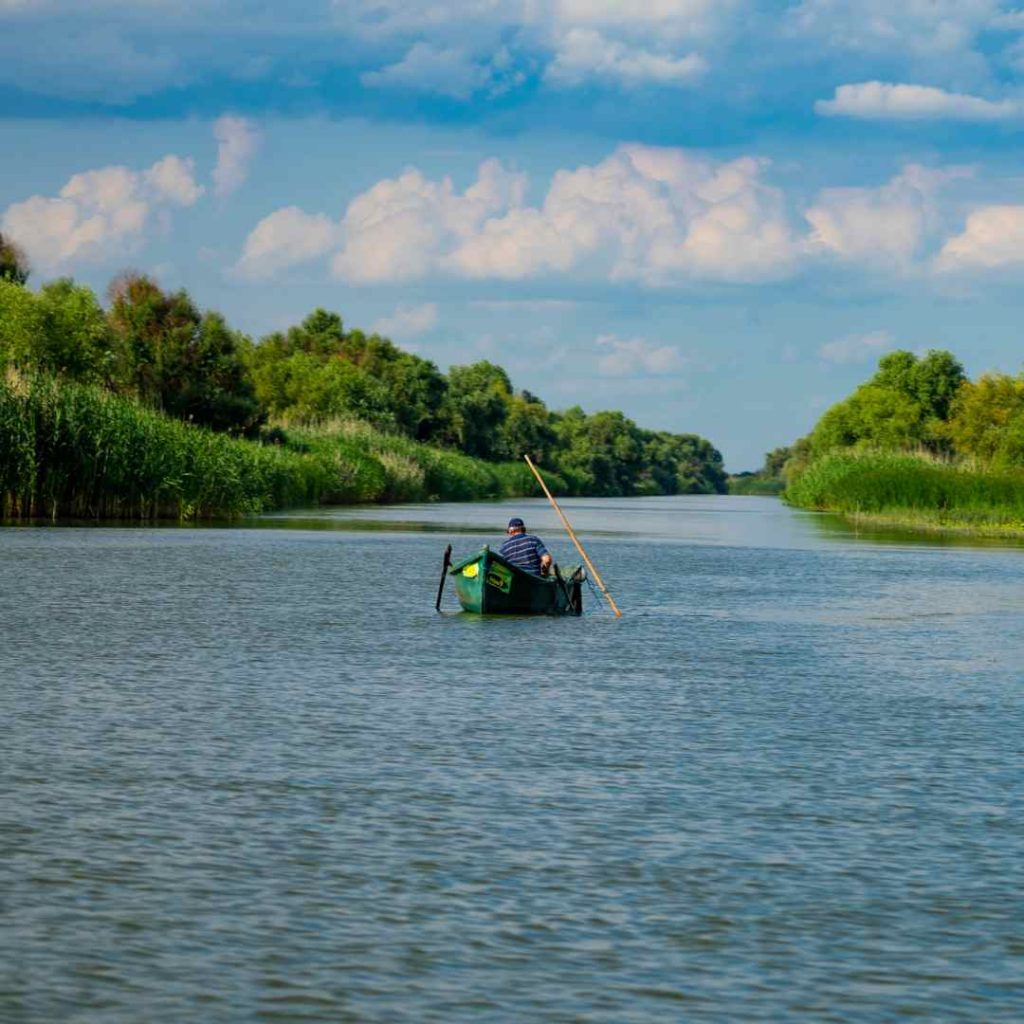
<point x="444" y="576"/>
<point x="572" y="537"/>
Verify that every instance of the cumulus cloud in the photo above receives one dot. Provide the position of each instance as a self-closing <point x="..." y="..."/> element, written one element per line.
<point x="283" y="239"/>
<point x="882" y="101"/>
<point x="99" y="214"/>
<point x="992" y="237"/>
<point x="656" y="216"/>
<point x="407" y="227"/>
<point x="644" y="213"/>
<point x="585" y="53"/>
<point x="173" y="180"/>
<point x="237" y="142"/>
<point x="635" y="357"/>
<point x="856" y="348"/>
<point x="885" y="226"/>
<point x="407" y="321"/>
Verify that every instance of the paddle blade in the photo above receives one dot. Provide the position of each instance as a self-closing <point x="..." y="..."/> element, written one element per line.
<point x="444" y="575"/>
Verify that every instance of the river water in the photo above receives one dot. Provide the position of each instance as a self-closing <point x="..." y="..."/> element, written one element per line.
<point x="247" y="774"/>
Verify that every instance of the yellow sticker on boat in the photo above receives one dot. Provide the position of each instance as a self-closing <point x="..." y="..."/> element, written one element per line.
<point x="499" y="577"/>
<point x="472" y="570"/>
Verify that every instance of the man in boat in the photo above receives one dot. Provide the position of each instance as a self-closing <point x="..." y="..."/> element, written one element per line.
<point x="525" y="550"/>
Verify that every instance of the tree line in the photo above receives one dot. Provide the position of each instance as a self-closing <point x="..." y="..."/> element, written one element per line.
<point x="160" y="349"/>
<point x="925" y="404"/>
<point x="913" y="404"/>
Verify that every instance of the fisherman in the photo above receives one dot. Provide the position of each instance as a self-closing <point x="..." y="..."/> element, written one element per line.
<point x="525" y="550"/>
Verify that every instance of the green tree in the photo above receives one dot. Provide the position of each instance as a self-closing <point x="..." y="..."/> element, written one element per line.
<point x="987" y="419"/>
<point x="478" y="405"/>
<point x="21" y="324"/>
<point x="600" y="454"/>
<point x="417" y="388"/>
<point x="775" y="460"/>
<point x="931" y="381"/>
<point x="76" y="340"/>
<point x="527" y="429"/>
<point x="189" y="364"/>
<point x="13" y="261"/>
<point x="874" y="416"/>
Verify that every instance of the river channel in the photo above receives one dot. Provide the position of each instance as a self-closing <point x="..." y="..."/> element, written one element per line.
<point x="248" y="774"/>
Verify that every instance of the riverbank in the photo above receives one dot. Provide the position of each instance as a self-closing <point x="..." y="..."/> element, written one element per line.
<point x="914" y="492"/>
<point x="70" y="450"/>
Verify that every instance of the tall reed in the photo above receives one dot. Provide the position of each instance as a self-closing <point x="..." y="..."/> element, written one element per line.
<point x="75" y="451"/>
<point x="891" y="484"/>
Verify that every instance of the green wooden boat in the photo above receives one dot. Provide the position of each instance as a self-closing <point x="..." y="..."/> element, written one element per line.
<point x="487" y="584"/>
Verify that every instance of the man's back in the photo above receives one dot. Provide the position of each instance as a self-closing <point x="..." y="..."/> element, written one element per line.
<point x="525" y="551"/>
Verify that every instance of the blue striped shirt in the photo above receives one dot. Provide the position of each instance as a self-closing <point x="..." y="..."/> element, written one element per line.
<point x="525" y="551"/>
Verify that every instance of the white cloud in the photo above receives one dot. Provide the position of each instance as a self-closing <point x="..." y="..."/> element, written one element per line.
<point x="680" y="17"/>
<point x="283" y="239"/>
<point x="656" y="215"/>
<point x="938" y="30"/>
<point x="448" y="72"/>
<point x="404" y="227"/>
<point x="885" y="226"/>
<point x="237" y="142"/>
<point x="635" y="357"/>
<point x="173" y="179"/>
<point x="461" y="49"/>
<point x="659" y="216"/>
<point x="856" y="348"/>
<point x="99" y="214"/>
<point x="880" y="101"/>
<point x="584" y="53"/>
<point x="992" y="237"/>
<point x="407" y="321"/>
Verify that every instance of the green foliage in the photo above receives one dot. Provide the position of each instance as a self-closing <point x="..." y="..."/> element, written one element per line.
<point x="75" y="450"/>
<point x="931" y="381"/>
<point x="599" y="454"/>
<point x="755" y="484"/>
<point x="176" y="359"/>
<point x="306" y="389"/>
<point x="21" y="324"/>
<point x="680" y="464"/>
<point x="893" y="485"/>
<point x="157" y="351"/>
<point x="76" y="340"/>
<point x="415" y="386"/>
<point x="874" y="417"/>
<point x="527" y="429"/>
<point x="987" y="420"/>
<point x="478" y="405"/>
<point x="13" y="262"/>
<point x="768" y="480"/>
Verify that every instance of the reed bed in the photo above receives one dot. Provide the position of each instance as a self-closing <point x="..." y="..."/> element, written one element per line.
<point x="75" y="451"/>
<point x="912" y="489"/>
<point x="392" y="468"/>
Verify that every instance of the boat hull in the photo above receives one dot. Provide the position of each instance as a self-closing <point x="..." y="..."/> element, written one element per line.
<point x="487" y="584"/>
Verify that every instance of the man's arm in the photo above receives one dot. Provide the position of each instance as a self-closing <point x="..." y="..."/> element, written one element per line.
<point x="545" y="558"/>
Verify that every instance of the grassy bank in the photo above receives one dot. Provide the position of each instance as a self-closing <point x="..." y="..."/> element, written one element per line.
<point x="71" y="450"/>
<point x="370" y="466"/>
<point x="914" y="491"/>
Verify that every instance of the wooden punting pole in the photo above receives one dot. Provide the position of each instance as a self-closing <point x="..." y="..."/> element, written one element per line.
<point x="579" y="547"/>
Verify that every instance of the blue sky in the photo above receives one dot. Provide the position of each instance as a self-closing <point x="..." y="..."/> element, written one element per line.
<point x="712" y="214"/>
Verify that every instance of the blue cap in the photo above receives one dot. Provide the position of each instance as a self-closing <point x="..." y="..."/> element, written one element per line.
<point x="515" y="521"/>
